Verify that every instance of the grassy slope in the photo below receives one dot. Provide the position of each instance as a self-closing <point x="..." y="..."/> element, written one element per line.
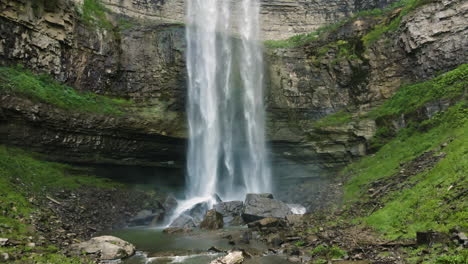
<point x="435" y="200"/>
<point x="44" y="89"/>
<point x="22" y="175"/>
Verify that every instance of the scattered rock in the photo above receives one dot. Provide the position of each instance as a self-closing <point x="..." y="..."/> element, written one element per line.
<point x="106" y="248"/>
<point x="235" y="257"/>
<point x="3" y="241"/>
<point x="212" y="221"/>
<point x="430" y="237"/>
<point x="259" y="206"/>
<point x="294" y="219"/>
<point x="4" y="257"/>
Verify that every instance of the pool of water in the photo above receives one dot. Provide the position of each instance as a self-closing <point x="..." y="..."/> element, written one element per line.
<point x="156" y="247"/>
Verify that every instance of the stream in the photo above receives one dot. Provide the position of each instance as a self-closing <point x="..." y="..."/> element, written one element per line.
<point x="155" y="247"/>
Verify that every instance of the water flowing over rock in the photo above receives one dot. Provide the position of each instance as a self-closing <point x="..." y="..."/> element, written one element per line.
<point x="259" y="206"/>
<point x="227" y="153"/>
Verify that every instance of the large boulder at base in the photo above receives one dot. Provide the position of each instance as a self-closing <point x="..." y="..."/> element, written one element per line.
<point x="259" y="206"/>
<point x="212" y="221"/>
<point x="235" y="257"/>
<point x="106" y="248"/>
<point x="231" y="212"/>
<point x="183" y="221"/>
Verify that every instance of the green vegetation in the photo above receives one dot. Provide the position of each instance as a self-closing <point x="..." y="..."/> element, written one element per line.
<point x="433" y="200"/>
<point x="328" y="252"/>
<point x="336" y="119"/>
<point x="409" y="98"/>
<point x="94" y="14"/>
<point x="43" y="88"/>
<point x="22" y="175"/>
<point x="407" y="6"/>
<point x="302" y="39"/>
<point x="299" y="243"/>
<point x="436" y="254"/>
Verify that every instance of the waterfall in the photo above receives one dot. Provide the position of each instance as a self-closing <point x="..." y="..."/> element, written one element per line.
<point x="227" y="150"/>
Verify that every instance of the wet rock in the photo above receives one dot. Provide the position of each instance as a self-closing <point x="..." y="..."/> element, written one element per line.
<point x="259" y="206"/>
<point x="170" y="203"/>
<point x="106" y="248"/>
<point x="235" y="257"/>
<point x="3" y="241"/>
<point x="183" y="221"/>
<point x="217" y="198"/>
<point x="212" y="221"/>
<point x="147" y="217"/>
<point x="245" y="238"/>
<point x="176" y="230"/>
<point x="231" y="212"/>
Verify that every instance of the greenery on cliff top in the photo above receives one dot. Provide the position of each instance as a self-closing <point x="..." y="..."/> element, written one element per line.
<point x="22" y="175"/>
<point x="302" y="39"/>
<point x="94" y="14"/>
<point x="44" y="89"/>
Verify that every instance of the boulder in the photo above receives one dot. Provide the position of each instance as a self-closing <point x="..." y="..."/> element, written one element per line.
<point x="235" y="257"/>
<point x="3" y="241"/>
<point x="259" y="206"/>
<point x="231" y="212"/>
<point x="147" y="217"/>
<point x="212" y="221"/>
<point x="106" y="248"/>
<point x="183" y="221"/>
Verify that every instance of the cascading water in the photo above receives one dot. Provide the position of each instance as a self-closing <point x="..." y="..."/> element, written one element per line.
<point x="227" y="152"/>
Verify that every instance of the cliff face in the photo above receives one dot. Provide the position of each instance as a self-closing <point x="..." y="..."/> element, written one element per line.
<point x="140" y="55"/>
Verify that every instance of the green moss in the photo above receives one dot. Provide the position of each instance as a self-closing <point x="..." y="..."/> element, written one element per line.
<point x="336" y="119"/>
<point x="391" y="26"/>
<point x="328" y="252"/>
<point x="409" y="98"/>
<point x="94" y="14"/>
<point x="23" y="175"/>
<point x="302" y="39"/>
<point x="436" y="254"/>
<point x="43" y="88"/>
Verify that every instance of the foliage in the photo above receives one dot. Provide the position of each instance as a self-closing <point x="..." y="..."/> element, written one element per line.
<point x="43" y="88"/>
<point x="436" y="254"/>
<point x="371" y="37"/>
<point x="336" y="119"/>
<point x="411" y="97"/>
<point x="23" y="175"/>
<point x="407" y="6"/>
<point x="328" y="252"/>
<point x="94" y="14"/>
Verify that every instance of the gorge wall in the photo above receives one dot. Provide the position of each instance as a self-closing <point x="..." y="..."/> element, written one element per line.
<point x="137" y="52"/>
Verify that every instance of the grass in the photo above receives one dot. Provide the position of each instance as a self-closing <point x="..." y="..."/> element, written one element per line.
<point x="336" y="119"/>
<point x="94" y="14"/>
<point x="409" y="98"/>
<point x="407" y="6"/>
<point x="43" y="88"/>
<point x="23" y="175"/>
<point x="328" y="252"/>
<point x="436" y="254"/>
